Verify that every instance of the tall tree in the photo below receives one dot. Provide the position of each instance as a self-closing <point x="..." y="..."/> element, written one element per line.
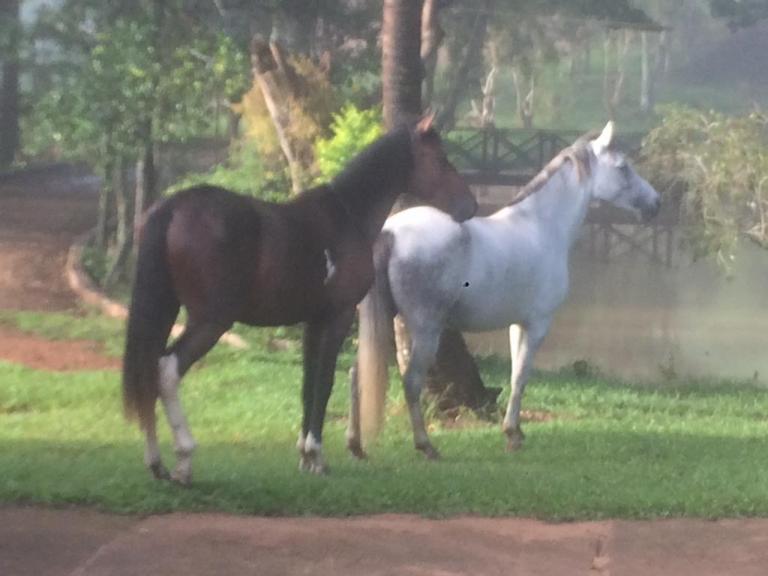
<point x="402" y="74"/>
<point x="10" y="27"/>
<point x="401" y="61"/>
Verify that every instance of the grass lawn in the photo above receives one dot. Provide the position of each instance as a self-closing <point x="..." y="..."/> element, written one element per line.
<point x="609" y="450"/>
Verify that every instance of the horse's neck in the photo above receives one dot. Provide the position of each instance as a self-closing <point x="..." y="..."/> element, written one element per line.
<point x="559" y="208"/>
<point x="369" y="198"/>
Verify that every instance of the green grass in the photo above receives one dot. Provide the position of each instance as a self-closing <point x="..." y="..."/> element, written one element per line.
<point x="610" y="450"/>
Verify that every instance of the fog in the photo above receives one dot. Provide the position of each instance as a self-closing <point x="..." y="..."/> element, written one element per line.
<point x="632" y="318"/>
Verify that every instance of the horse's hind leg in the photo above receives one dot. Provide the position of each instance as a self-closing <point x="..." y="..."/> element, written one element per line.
<point x="198" y="338"/>
<point x="152" y="458"/>
<point x="524" y="342"/>
<point x="423" y="354"/>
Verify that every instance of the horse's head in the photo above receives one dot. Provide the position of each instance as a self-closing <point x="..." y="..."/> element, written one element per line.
<point x="434" y="179"/>
<point x="615" y="181"/>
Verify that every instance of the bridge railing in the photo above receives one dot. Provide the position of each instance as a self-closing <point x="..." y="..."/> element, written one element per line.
<point x="511" y="156"/>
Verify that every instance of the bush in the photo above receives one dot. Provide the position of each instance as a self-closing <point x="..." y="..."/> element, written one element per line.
<point x="353" y="129"/>
<point x="243" y="173"/>
<point x="718" y="164"/>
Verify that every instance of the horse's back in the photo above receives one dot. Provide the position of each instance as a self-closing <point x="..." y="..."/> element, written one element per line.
<point x="423" y="232"/>
<point x="426" y="262"/>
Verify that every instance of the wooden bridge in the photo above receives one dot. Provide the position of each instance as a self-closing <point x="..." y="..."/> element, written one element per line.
<point x="511" y="157"/>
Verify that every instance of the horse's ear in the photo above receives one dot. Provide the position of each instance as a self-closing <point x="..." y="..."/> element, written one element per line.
<point x="426" y="123"/>
<point x="605" y="140"/>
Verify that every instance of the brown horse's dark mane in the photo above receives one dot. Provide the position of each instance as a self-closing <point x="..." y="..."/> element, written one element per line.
<point x="386" y="163"/>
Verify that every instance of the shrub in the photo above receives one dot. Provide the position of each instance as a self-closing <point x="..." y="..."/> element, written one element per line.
<point x="353" y="129"/>
<point x="245" y="173"/>
<point x="718" y="165"/>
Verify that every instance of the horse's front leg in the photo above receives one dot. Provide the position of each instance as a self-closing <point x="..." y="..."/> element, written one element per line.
<point x="423" y="353"/>
<point x="523" y="344"/>
<point x="323" y="348"/>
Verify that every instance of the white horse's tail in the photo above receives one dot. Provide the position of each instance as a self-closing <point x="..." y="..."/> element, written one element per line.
<point x="375" y="342"/>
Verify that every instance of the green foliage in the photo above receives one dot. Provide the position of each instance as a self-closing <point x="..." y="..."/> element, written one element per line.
<point x="137" y="77"/>
<point x="606" y="449"/>
<point x="353" y="129"/>
<point x="718" y="164"/>
<point x="245" y="173"/>
<point x="309" y="106"/>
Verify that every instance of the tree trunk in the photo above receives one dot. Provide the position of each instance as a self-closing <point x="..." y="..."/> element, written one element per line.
<point x="621" y="72"/>
<point x="150" y="170"/>
<point x="525" y="101"/>
<point x="469" y="59"/>
<point x="9" y="87"/>
<point x="613" y="79"/>
<point x="455" y="379"/>
<point x="401" y="77"/>
<point x="662" y="56"/>
<point x="105" y="195"/>
<point x="607" y="73"/>
<point x="274" y="76"/>
<point x="138" y="204"/>
<point x="122" y="247"/>
<point x="649" y="77"/>
<point x="431" y="38"/>
<point x="401" y="62"/>
<point x="233" y="125"/>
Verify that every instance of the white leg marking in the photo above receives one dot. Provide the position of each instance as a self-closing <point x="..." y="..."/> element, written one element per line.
<point x="301" y="442"/>
<point x="151" y="451"/>
<point x="312" y="457"/>
<point x="184" y="443"/>
<point x="311" y="445"/>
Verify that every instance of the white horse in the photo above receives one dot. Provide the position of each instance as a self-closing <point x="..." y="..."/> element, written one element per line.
<point x="509" y="269"/>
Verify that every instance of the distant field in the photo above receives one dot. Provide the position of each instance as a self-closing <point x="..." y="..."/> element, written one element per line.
<point x="600" y="449"/>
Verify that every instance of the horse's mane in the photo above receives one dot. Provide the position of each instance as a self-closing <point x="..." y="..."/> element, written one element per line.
<point x="386" y="159"/>
<point x="577" y="153"/>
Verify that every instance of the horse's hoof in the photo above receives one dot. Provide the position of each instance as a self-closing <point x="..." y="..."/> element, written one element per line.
<point x="319" y="469"/>
<point x="159" y="471"/>
<point x="429" y="451"/>
<point x="312" y="464"/>
<point x="356" y="450"/>
<point x="182" y="478"/>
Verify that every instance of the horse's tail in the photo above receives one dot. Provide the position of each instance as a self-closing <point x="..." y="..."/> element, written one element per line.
<point x="154" y="307"/>
<point x="376" y="341"/>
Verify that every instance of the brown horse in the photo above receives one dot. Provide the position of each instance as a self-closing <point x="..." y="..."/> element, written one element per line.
<point x="228" y="258"/>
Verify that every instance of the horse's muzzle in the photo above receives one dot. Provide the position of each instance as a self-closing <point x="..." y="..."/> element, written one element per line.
<point x="650" y="210"/>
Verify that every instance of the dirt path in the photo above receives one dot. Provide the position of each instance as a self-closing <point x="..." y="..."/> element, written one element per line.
<point x="41" y="214"/>
<point x="38" y="542"/>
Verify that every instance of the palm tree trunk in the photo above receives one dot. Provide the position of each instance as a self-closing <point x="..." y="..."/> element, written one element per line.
<point x="402" y="78"/>
<point x="401" y="61"/>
